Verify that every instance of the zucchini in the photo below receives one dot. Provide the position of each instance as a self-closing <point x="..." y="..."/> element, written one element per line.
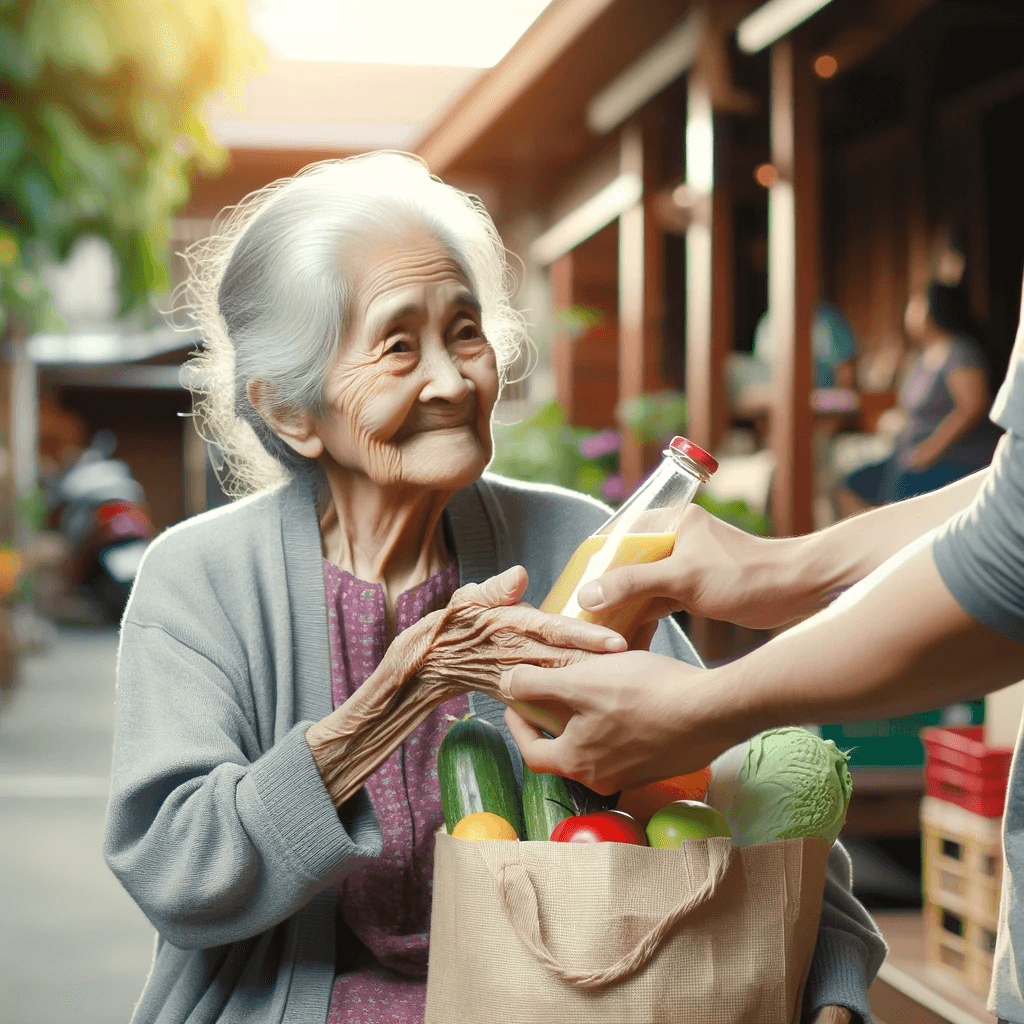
<point x="546" y="802"/>
<point x="475" y="773"/>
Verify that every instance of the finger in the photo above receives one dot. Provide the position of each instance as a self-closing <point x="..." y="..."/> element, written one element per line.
<point x="564" y="631"/>
<point x="528" y="682"/>
<point x="630" y="583"/>
<point x="532" y="743"/>
<point x="507" y="588"/>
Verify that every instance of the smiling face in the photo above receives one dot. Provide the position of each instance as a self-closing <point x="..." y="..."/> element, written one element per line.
<point x="408" y="400"/>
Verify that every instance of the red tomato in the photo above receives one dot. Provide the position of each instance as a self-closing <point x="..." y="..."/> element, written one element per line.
<point x="600" y="827"/>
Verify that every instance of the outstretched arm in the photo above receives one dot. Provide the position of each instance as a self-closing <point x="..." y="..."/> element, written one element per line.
<point x="899" y="645"/>
<point x="720" y="572"/>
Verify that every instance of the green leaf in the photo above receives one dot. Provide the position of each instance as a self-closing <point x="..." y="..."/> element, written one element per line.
<point x="40" y="203"/>
<point x="32" y="508"/>
<point x="13" y="141"/>
<point x="104" y="93"/>
<point x="18" y="62"/>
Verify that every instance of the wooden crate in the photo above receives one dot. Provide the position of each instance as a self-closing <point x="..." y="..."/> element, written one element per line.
<point x="961" y="867"/>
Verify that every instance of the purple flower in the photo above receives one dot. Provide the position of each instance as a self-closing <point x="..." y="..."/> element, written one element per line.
<point x="614" y="488"/>
<point x="606" y="443"/>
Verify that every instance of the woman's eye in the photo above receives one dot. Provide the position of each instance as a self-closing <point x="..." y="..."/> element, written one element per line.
<point x="397" y="347"/>
<point x="467" y="332"/>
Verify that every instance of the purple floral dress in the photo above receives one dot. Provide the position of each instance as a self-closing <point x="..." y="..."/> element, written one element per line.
<point x="386" y="905"/>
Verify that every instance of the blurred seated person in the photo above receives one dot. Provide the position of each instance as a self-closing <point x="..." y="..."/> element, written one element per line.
<point x="938" y="426"/>
<point x="749" y="376"/>
<point x="834" y="347"/>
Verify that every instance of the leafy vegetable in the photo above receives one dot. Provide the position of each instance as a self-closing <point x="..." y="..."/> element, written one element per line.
<point x="782" y="784"/>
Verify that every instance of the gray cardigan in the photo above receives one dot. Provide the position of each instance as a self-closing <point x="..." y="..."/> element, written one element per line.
<point x="219" y="825"/>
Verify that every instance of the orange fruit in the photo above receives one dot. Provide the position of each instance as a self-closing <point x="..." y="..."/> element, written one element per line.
<point x="483" y="825"/>
<point x="645" y="801"/>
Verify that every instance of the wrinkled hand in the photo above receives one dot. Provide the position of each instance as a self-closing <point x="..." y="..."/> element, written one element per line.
<point x="637" y="717"/>
<point x="715" y="570"/>
<point x="482" y="634"/>
<point x="485" y="632"/>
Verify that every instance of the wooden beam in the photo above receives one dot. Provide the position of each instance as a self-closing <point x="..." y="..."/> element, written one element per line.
<point x="623" y="193"/>
<point x="772" y="21"/>
<point x="498" y="89"/>
<point x="792" y="280"/>
<point x="661" y="65"/>
<point x="631" y="304"/>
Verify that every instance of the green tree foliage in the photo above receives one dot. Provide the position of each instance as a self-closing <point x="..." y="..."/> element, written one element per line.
<point x="101" y="120"/>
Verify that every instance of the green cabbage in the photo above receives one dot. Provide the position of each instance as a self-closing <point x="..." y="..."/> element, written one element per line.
<point x="782" y="784"/>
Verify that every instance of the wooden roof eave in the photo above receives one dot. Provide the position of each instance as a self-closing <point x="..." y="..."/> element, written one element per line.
<point x="498" y="89"/>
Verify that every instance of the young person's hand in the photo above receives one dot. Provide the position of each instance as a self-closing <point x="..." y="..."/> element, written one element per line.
<point x="636" y="717"/>
<point x="717" y="571"/>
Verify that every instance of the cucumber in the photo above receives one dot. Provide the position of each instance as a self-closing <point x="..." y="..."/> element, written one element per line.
<point x="546" y="802"/>
<point x="475" y="772"/>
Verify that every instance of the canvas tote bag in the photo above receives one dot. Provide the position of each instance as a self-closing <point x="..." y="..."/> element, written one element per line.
<point x="560" y="933"/>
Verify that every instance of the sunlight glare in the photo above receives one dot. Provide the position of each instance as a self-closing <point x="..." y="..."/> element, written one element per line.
<point x="454" y="33"/>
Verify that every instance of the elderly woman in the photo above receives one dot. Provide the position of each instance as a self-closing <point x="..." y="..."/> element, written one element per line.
<point x="288" y="664"/>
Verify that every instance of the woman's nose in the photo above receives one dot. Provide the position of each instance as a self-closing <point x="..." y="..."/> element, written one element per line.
<point x="444" y="380"/>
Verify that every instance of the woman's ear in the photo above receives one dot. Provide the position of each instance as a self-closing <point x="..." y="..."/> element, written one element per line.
<point x="296" y="429"/>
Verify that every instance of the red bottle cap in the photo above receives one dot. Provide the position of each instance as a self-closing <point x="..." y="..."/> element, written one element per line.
<point x="695" y="452"/>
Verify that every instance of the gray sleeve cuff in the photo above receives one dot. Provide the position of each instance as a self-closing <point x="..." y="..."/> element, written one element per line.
<point x="318" y="838"/>
<point x="838" y="975"/>
<point x="849" y="949"/>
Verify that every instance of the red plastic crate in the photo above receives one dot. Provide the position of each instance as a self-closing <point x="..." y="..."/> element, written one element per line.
<point x="961" y="769"/>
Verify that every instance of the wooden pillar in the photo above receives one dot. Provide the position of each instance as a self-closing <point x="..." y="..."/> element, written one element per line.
<point x="708" y="306"/>
<point x="708" y="272"/>
<point x="631" y="303"/>
<point x="920" y="169"/>
<point x="700" y="355"/>
<point x="792" y="280"/>
<point x="561" y="300"/>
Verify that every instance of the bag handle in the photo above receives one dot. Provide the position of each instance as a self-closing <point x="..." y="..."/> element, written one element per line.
<point x="519" y="901"/>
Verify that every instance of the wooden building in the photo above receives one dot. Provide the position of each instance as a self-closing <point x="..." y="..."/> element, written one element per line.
<point x="680" y="166"/>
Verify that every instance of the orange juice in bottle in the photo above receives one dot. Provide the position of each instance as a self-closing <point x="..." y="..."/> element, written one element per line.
<point x="642" y="530"/>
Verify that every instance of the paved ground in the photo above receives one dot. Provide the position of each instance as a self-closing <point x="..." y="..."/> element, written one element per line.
<point x="73" y="946"/>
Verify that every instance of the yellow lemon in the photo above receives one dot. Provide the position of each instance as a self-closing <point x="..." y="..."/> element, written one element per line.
<point x="484" y="825"/>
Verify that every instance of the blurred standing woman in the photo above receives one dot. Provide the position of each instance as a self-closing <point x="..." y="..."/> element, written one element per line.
<point x="942" y="432"/>
<point x="357" y="322"/>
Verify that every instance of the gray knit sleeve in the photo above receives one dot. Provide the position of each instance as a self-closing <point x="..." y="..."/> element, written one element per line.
<point x="217" y="832"/>
<point x="849" y="949"/>
<point x="980" y="552"/>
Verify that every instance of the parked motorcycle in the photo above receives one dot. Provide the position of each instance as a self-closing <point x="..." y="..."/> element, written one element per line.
<point x="100" y="509"/>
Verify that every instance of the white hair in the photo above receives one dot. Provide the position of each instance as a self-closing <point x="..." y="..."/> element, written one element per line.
<point x="271" y="295"/>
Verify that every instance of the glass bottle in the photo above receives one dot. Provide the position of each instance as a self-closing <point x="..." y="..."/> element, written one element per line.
<point x="642" y="530"/>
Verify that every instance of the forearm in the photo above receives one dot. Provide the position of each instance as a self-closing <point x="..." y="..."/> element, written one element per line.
<point x="901" y="646"/>
<point x="842" y="554"/>
<point x="350" y="744"/>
